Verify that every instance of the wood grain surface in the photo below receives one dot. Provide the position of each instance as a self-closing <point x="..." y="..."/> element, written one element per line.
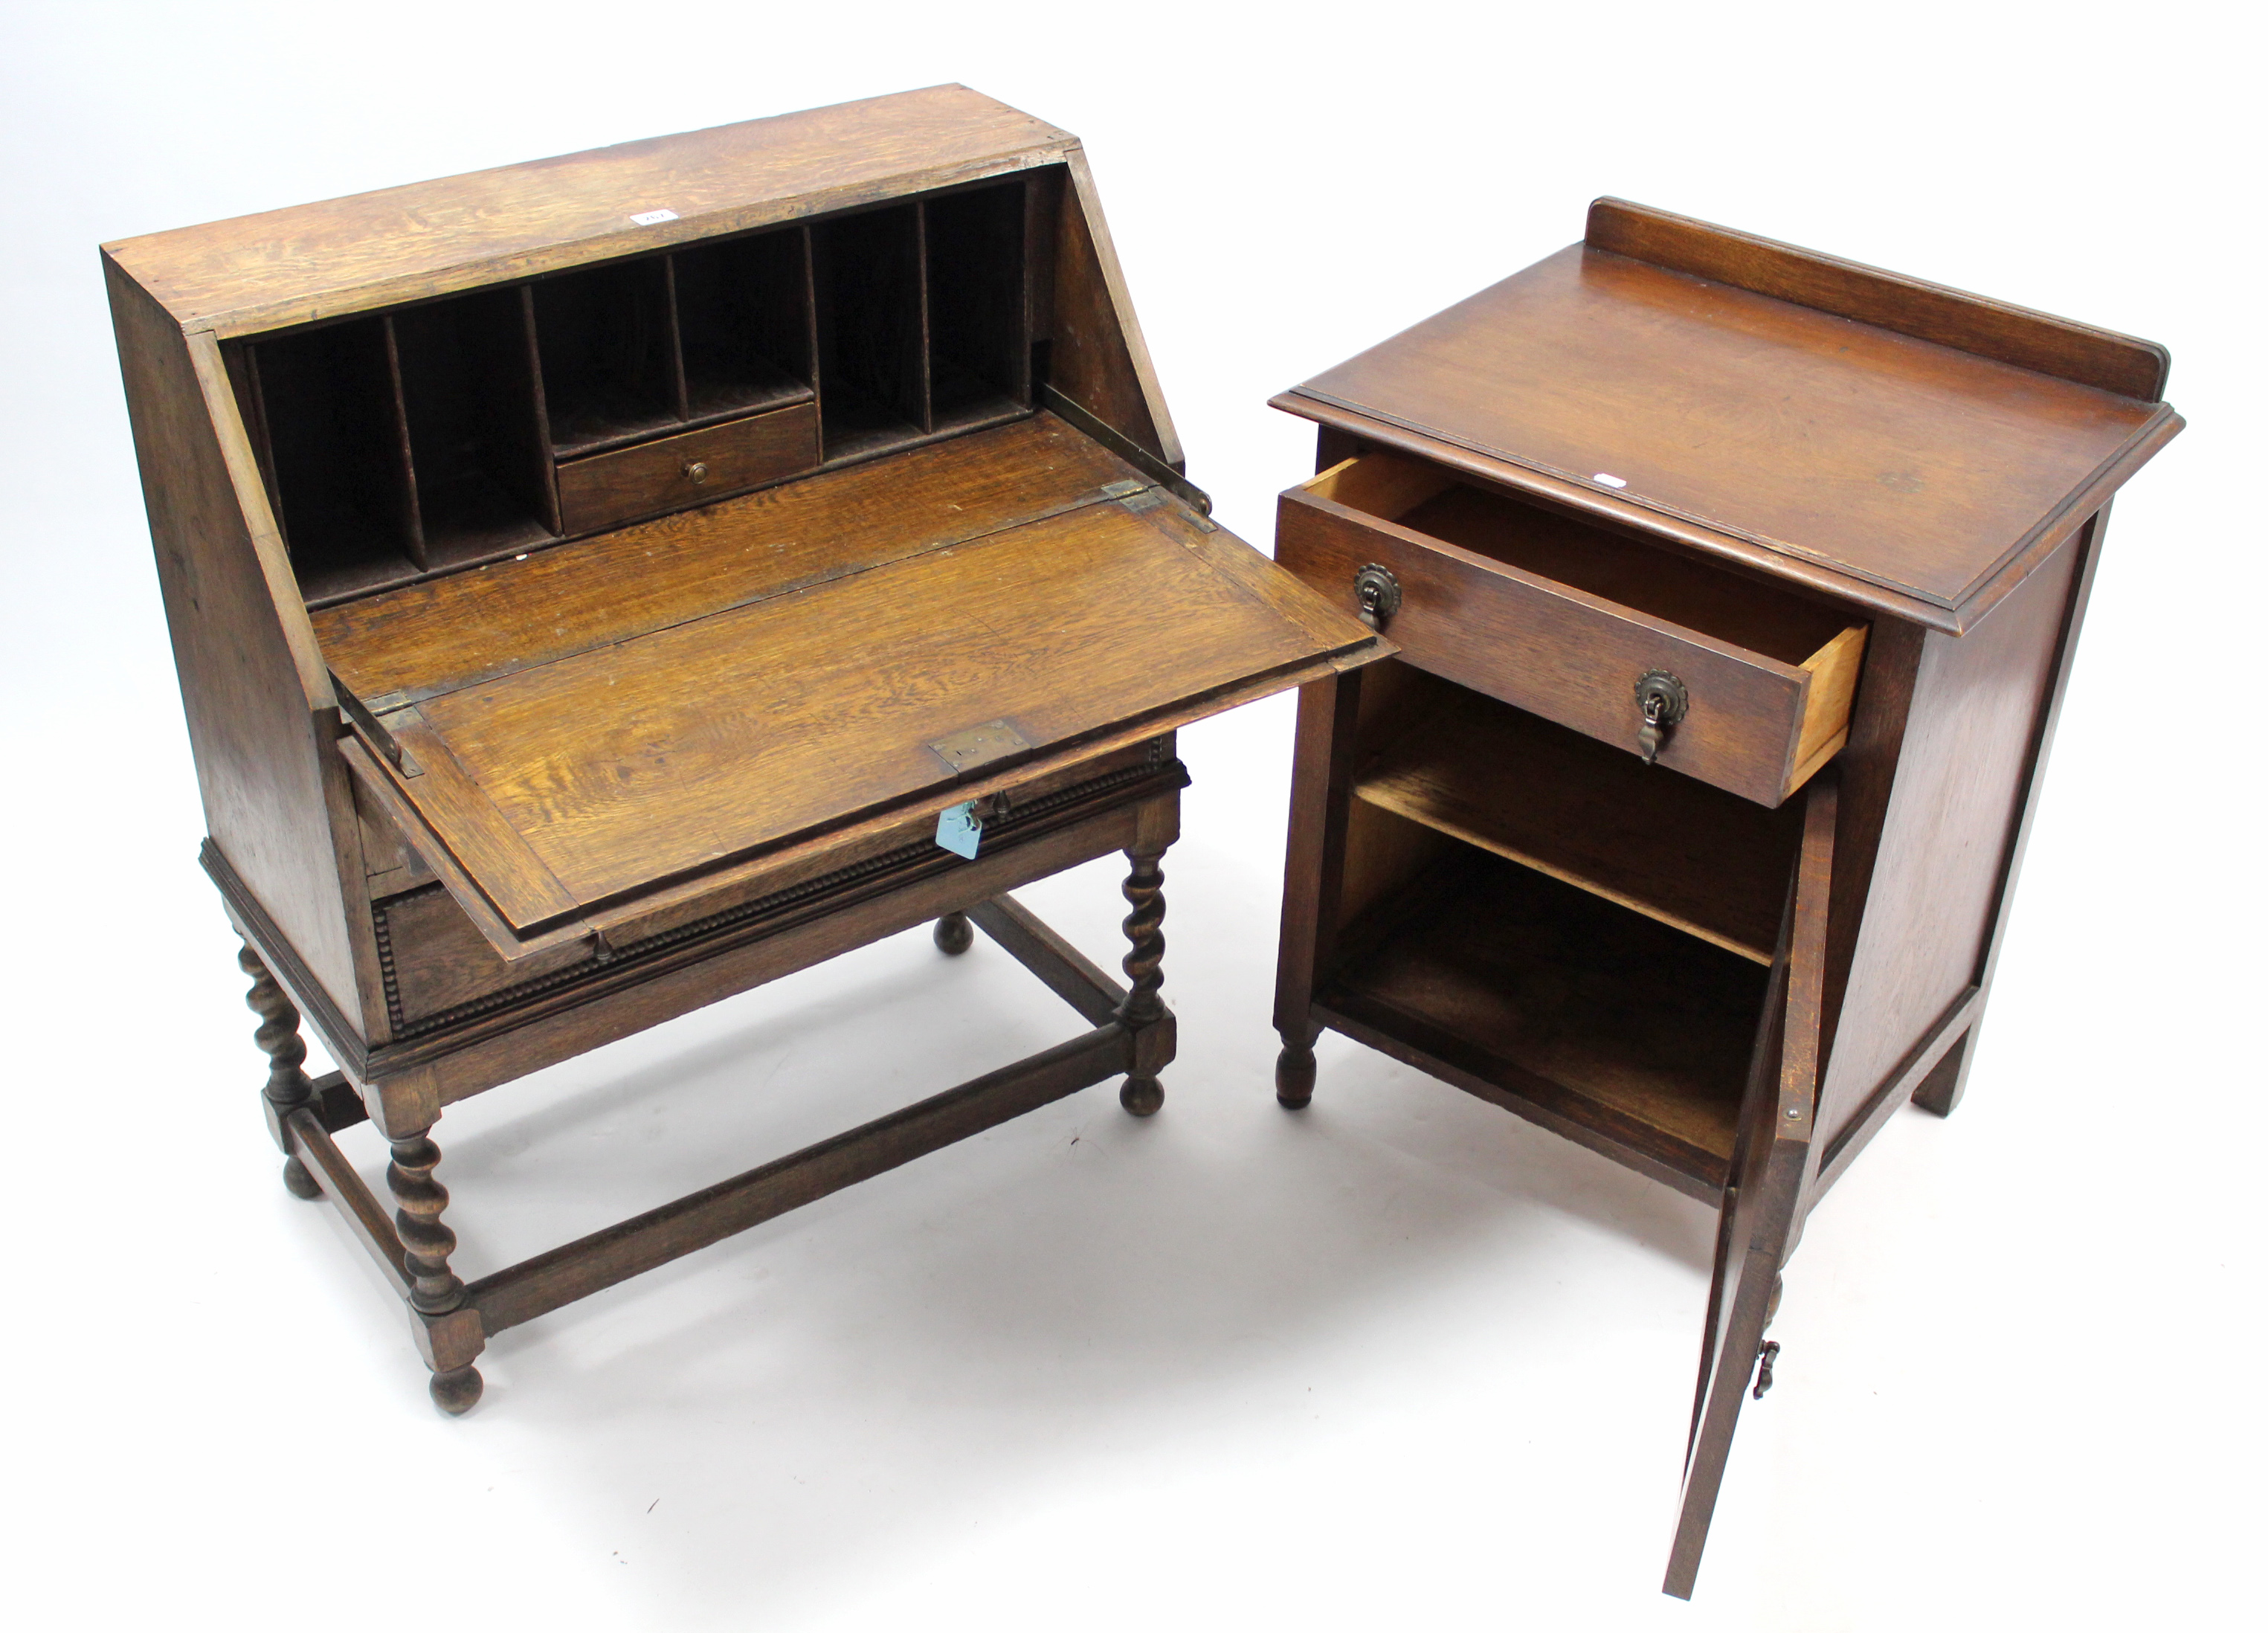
<point x="1692" y="857"/>
<point x="1097" y="355"/>
<point x="1893" y="459"/>
<point x="1950" y="818"/>
<point x="447" y="633"/>
<point x="1635" y="573"/>
<point x="1566" y="654"/>
<point x="626" y="765"/>
<point x="607" y="490"/>
<point x="1975" y="323"/>
<point x="440" y="959"/>
<point x="1778" y="1115"/>
<point x="431" y="237"/>
<point x="1601" y="1017"/>
<point x="616" y="1003"/>
<point x="257" y="701"/>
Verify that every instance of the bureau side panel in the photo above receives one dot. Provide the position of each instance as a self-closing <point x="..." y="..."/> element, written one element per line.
<point x="254" y="701"/>
<point x="1097" y="356"/>
<point x="1978" y="703"/>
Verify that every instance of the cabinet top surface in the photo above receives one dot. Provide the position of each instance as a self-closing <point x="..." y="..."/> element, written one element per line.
<point x="1896" y="460"/>
<point x="311" y="261"/>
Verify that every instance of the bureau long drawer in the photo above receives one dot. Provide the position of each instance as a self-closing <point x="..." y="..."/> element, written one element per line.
<point x="692" y="468"/>
<point x="1565" y="620"/>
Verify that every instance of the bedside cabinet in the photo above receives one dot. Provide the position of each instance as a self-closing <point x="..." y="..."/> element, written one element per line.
<point x="1736" y="587"/>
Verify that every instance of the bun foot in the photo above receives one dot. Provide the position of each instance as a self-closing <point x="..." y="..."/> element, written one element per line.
<point x="954" y="934"/>
<point x="299" y="1181"/>
<point x="1142" y="1096"/>
<point x="455" y="1392"/>
<point x="1295" y="1076"/>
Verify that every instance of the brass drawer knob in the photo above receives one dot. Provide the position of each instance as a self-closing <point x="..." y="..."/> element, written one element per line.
<point x="1660" y="705"/>
<point x="697" y="471"/>
<point x="1377" y="595"/>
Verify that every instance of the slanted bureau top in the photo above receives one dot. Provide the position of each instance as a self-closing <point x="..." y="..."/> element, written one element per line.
<point x="314" y="261"/>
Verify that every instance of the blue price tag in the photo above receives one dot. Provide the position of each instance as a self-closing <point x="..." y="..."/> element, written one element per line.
<point x="959" y="829"/>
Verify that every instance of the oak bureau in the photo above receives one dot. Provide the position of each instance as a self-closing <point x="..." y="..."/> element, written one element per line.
<point x="601" y="585"/>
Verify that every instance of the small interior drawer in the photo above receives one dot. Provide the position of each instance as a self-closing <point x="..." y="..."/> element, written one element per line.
<point x="692" y="468"/>
<point x="1564" y="620"/>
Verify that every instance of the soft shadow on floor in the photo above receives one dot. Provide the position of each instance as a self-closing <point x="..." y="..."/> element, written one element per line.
<point x="1073" y="1288"/>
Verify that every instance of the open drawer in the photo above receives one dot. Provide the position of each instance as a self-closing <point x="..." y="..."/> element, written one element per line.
<point x="1567" y="620"/>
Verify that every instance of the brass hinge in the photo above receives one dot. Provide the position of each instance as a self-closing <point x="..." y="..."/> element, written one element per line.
<point x="979" y="745"/>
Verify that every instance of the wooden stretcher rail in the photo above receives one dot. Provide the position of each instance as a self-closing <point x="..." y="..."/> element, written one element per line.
<point x="579" y="1268"/>
<point x="1048" y="956"/>
<point x="1894" y="1091"/>
<point x="522" y="1291"/>
<point x="311" y="1142"/>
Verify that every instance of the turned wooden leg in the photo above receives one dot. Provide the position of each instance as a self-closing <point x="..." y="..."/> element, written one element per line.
<point x="426" y="1245"/>
<point x="288" y="1087"/>
<point x="954" y="934"/>
<point x="1295" y="1069"/>
<point x="1145" y="890"/>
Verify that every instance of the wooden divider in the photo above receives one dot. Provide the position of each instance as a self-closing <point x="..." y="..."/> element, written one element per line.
<point x="430" y="438"/>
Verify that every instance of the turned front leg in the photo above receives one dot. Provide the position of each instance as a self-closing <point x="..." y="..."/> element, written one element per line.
<point x="1295" y="1067"/>
<point x="1144" y="891"/>
<point x="426" y="1245"/>
<point x="288" y="1087"/>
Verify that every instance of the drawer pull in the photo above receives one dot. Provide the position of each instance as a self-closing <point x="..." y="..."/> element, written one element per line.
<point x="697" y="471"/>
<point x="1378" y="595"/>
<point x="1660" y="705"/>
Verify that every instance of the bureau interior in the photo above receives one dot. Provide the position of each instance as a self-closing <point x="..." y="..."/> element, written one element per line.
<point x="431" y="437"/>
<point x="1629" y="572"/>
<point x="1555" y="917"/>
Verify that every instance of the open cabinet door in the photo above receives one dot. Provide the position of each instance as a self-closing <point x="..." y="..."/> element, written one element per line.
<point x="1756" y="1229"/>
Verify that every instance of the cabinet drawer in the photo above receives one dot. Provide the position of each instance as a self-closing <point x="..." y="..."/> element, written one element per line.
<point x="1564" y="619"/>
<point x="691" y="467"/>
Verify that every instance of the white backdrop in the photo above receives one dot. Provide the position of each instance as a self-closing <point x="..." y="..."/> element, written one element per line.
<point x="1400" y="1361"/>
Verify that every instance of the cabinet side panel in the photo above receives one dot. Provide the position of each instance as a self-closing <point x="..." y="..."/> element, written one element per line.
<point x="254" y="697"/>
<point x="1868" y="766"/>
<point x="1977" y="709"/>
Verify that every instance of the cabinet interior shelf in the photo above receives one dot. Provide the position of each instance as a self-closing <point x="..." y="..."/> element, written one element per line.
<point x="1692" y="857"/>
<point x="1615" y="1028"/>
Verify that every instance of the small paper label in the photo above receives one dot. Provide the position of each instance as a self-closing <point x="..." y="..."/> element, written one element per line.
<point x="959" y="829"/>
<point x="653" y="217"/>
<point x="1611" y="482"/>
